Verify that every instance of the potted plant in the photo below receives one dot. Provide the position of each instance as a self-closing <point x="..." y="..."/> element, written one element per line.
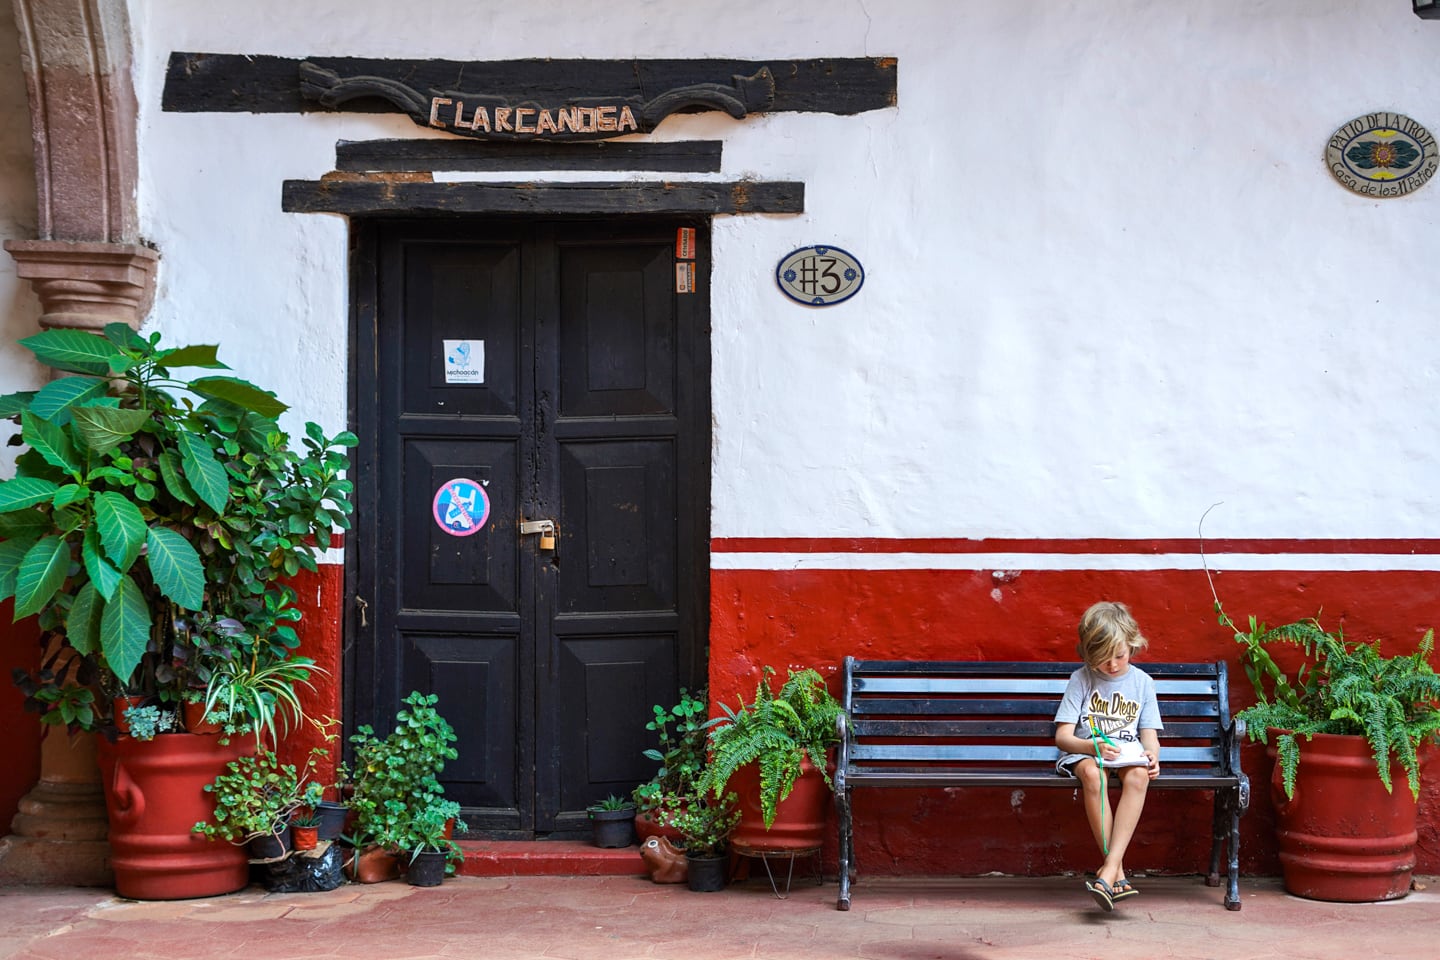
<point x="395" y="777"/>
<point x="612" y="822"/>
<point x="254" y="800"/>
<point x="683" y="732"/>
<point x="773" y="753"/>
<point x="433" y="853"/>
<point x="304" y="830"/>
<point x="1340" y="729"/>
<point x="705" y="827"/>
<point x="146" y="509"/>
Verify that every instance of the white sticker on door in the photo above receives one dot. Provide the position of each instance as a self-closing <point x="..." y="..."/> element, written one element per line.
<point x="464" y="361"/>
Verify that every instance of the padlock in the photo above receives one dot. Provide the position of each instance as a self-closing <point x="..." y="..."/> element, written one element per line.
<point x="547" y="541"/>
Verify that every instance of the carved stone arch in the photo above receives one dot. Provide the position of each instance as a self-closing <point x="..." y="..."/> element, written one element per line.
<point x="86" y="265"/>
<point x="88" y="269"/>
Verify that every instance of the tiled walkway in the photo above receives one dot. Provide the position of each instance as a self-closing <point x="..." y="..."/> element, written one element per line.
<point x="510" y="918"/>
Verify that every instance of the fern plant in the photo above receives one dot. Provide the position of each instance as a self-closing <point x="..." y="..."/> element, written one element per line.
<point x="776" y="732"/>
<point x="1341" y="688"/>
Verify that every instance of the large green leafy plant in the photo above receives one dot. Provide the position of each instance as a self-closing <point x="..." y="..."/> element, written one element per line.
<point x="1342" y="687"/>
<point x="153" y="519"/>
<point x="777" y="731"/>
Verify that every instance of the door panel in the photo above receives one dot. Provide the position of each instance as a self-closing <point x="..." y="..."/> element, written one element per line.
<point x="593" y="412"/>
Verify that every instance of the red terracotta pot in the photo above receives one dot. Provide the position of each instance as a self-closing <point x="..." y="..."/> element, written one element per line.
<point x="1341" y="836"/>
<point x="372" y="865"/>
<point x="645" y="828"/>
<point x="799" y="818"/>
<point x="193" y="715"/>
<point x="154" y="794"/>
<point x="304" y="838"/>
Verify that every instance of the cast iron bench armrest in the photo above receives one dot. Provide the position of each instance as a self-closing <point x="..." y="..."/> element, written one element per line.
<point x="916" y="723"/>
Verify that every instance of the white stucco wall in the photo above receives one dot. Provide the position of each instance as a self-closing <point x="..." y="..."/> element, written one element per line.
<point x="1109" y="278"/>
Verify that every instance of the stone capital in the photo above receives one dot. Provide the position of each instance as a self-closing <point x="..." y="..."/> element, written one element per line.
<point x="85" y="285"/>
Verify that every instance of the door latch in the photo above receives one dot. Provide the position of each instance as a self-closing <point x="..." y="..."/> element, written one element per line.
<point x="546" y="529"/>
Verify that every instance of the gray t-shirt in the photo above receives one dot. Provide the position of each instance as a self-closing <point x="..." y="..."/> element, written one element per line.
<point x="1119" y="707"/>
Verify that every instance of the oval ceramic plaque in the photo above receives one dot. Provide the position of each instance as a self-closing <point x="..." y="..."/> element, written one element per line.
<point x="820" y="276"/>
<point x="1382" y="155"/>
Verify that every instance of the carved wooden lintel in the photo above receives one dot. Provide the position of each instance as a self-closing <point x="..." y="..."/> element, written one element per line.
<point x="487" y="116"/>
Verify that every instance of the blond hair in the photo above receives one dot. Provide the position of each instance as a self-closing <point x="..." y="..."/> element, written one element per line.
<point x="1104" y="629"/>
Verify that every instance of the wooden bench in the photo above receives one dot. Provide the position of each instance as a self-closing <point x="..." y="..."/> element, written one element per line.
<point x="959" y="724"/>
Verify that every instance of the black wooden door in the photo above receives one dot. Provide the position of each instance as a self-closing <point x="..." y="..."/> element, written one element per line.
<point x="555" y="368"/>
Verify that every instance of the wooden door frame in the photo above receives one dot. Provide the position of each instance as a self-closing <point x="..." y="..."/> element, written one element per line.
<point x="360" y="655"/>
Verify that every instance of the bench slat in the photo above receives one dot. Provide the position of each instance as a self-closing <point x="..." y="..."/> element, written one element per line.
<point x="965" y="752"/>
<point x="930" y="777"/>
<point x="1007" y="685"/>
<point x="930" y="668"/>
<point x="1001" y="727"/>
<point x="1017" y="707"/>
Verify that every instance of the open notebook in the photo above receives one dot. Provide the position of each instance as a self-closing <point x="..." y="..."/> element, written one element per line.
<point x="1132" y="754"/>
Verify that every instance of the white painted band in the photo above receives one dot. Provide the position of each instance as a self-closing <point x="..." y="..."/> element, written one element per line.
<point x="1058" y="561"/>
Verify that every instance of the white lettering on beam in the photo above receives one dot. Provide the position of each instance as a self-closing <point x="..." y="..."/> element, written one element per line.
<point x="534" y="121"/>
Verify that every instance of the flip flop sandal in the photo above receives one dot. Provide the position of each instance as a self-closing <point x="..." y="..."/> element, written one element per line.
<point x="1123" y="891"/>
<point x="1103" y="894"/>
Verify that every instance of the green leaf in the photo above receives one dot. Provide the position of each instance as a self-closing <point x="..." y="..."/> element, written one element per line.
<point x="102" y="428"/>
<point x="72" y="350"/>
<point x="54" y="400"/>
<point x="199" y="355"/>
<point x="239" y="392"/>
<point x="13" y="403"/>
<point x="124" y="337"/>
<point x="49" y="441"/>
<point x="102" y="572"/>
<point x="122" y="528"/>
<point x="125" y="629"/>
<point x="176" y="568"/>
<point x="27" y="525"/>
<point x="169" y="463"/>
<point x="11" y="553"/>
<point x="25" y="492"/>
<point x="204" y="473"/>
<point x="71" y="493"/>
<point x="82" y="624"/>
<point x="41" y="572"/>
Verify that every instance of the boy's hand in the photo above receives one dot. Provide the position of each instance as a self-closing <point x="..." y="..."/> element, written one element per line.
<point x="1109" y="752"/>
<point x="1154" y="766"/>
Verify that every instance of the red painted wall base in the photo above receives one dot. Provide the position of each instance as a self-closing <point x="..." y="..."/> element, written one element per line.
<point x="816" y="617"/>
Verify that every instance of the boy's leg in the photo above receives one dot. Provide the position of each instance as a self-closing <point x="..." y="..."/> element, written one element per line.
<point x="1134" y="781"/>
<point x="1097" y="810"/>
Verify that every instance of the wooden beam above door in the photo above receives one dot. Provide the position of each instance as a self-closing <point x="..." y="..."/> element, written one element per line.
<point x="370" y="197"/>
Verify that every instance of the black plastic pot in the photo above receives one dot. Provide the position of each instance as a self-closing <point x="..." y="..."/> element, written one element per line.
<point x="706" y="874"/>
<point x="427" y="869"/>
<point x="613" y="828"/>
<point x="332" y="819"/>
<point x="269" y="846"/>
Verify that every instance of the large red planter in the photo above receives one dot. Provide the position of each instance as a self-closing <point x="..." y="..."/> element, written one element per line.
<point x="1342" y="837"/>
<point x="154" y="794"/>
<point x="799" y="818"/>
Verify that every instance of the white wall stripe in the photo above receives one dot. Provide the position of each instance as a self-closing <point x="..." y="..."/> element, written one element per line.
<point x="1053" y="561"/>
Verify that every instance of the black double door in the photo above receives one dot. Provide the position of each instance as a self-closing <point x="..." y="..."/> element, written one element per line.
<point x="511" y="373"/>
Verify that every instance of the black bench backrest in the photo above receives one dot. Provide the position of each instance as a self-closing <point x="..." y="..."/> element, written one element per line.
<point x="1002" y="715"/>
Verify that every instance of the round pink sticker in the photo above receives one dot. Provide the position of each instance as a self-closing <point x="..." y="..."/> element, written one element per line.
<point x="461" y="507"/>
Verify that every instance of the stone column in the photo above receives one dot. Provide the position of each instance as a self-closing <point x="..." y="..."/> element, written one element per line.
<point x="89" y="269"/>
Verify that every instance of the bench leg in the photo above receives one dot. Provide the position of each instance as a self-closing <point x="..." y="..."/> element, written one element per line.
<point x="1232" y="889"/>
<point x="1225" y="831"/>
<point x="846" y="852"/>
<point x="1219" y="825"/>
